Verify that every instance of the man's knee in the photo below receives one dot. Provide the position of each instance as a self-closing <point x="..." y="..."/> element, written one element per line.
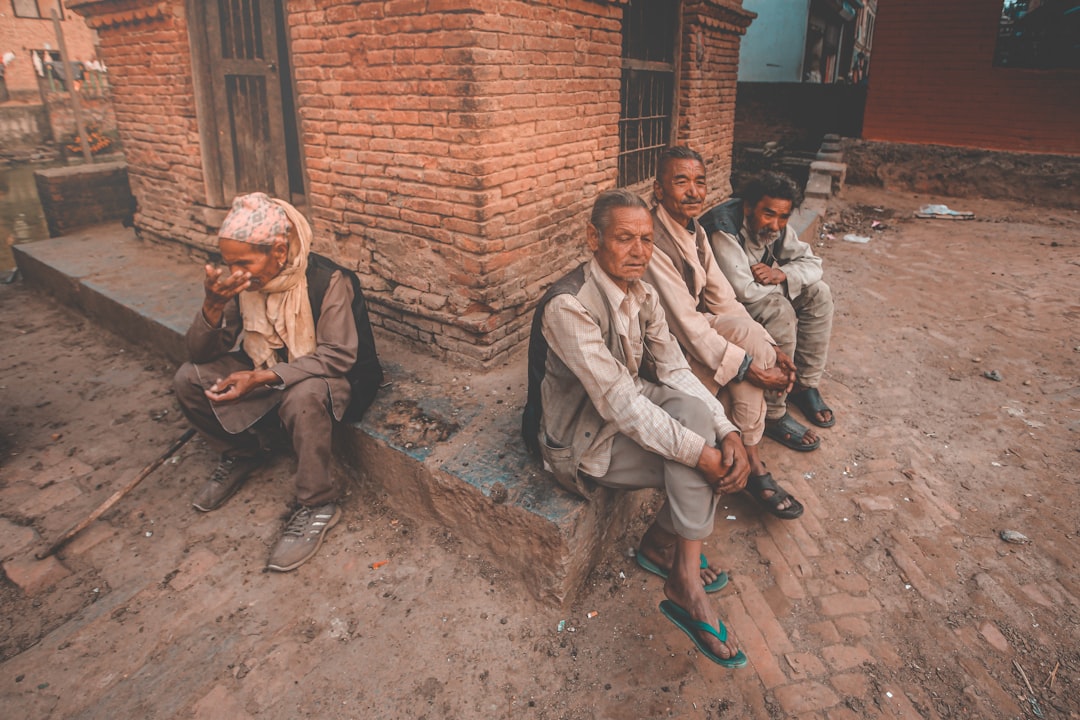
<point x="761" y="349"/>
<point x="186" y="385"/>
<point x="305" y="398"/>
<point x="777" y="315"/>
<point x="692" y="414"/>
<point x="819" y="300"/>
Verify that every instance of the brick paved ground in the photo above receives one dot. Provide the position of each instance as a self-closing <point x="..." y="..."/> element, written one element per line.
<point x="893" y="597"/>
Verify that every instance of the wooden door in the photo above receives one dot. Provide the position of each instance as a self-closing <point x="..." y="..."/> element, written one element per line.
<point x="242" y="45"/>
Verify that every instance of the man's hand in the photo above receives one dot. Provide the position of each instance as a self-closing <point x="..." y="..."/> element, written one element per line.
<point x="239" y="384"/>
<point x="771" y="379"/>
<point x="785" y="363"/>
<point x="780" y="377"/>
<point x="725" y="468"/>
<point x="220" y="287"/>
<point x="767" y="274"/>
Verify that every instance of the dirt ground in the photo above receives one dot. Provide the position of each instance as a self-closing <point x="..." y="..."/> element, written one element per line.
<point x="893" y="597"/>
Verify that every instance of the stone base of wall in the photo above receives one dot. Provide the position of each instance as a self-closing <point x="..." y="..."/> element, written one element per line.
<point x="97" y="113"/>
<point x="22" y="127"/>
<point x="1049" y="180"/>
<point x="82" y="195"/>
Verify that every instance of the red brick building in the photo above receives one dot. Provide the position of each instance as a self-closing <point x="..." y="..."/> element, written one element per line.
<point x="934" y="81"/>
<point x="26" y="28"/>
<point x="449" y="151"/>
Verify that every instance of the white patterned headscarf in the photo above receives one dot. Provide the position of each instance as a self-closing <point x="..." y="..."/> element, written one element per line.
<point x="278" y="314"/>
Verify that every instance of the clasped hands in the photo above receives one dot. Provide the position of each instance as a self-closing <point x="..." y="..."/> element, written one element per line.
<point x="726" y="467"/>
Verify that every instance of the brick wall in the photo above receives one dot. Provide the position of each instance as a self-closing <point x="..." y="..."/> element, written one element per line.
<point x="453" y="149"/>
<point x="21" y="35"/>
<point x="932" y="80"/>
<point x="150" y="75"/>
<point x="82" y="195"/>
<point x="453" y="152"/>
<point x="712" y="32"/>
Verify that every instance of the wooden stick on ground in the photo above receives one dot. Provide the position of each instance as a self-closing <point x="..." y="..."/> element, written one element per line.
<point x="1024" y="675"/>
<point x="1053" y="675"/>
<point x="116" y="496"/>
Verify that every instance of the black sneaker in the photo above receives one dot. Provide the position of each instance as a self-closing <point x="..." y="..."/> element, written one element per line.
<point x="302" y="536"/>
<point x="226" y="479"/>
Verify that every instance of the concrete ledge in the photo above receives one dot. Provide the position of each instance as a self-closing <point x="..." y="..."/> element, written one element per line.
<point x="835" y="170"/>
<point x="440" y="442"/>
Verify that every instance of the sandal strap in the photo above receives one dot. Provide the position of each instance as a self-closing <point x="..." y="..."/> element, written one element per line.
<point x="811" y="399"/>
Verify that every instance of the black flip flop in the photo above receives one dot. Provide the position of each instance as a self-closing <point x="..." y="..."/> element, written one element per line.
<point x="789" y="432"/>
<point x="756" y="485"/>
<point x="810" y="403"/>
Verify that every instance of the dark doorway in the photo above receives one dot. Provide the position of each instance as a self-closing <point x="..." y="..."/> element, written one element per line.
<point x="253" y="105"/>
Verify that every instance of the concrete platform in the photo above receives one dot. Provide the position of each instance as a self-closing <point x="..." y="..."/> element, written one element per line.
<point x="439" y="442"/>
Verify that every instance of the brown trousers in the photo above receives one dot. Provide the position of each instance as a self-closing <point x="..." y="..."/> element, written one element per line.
<point x="304" y="410"/>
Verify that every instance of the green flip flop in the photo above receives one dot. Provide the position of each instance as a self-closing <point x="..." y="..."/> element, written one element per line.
<point x="691" y="627"/>
<point x="716" y="585"/>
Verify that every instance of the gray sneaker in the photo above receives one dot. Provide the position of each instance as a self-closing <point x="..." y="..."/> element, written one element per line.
<point x="303" y="536"/>
<point x="226" y="479"/>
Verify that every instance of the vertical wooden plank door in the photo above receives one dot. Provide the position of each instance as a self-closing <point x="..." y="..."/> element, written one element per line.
<point x="244" y="67"/>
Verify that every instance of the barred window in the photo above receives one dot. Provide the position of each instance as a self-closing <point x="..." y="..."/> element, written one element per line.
<point x="36" y="8"/>
<point x="648" y="86"/>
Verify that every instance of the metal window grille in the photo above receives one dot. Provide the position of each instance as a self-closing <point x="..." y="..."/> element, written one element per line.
<point x="26" y="9"/>
<point x="37" y="8"/>
<point x="648" y="87"/>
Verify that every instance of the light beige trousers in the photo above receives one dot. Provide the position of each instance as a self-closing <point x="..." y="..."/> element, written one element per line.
<point x="689" y="504"/>
<point x="801" y="328"/>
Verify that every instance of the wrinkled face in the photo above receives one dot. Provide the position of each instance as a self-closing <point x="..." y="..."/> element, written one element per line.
<point x="624" y="250"/>
<point x="681" y="189"/>
<point x="264" y="262"/>
<point x="768" y="218"/>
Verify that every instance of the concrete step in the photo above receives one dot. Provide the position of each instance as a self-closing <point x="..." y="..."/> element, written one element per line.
<point x="819" y="186"/>
<point x="836" y="170"/>
<point x="439" y="443"/>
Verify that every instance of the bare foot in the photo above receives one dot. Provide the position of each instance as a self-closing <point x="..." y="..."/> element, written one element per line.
<point x="658" y="545"/>
<point x="690" y="596"/>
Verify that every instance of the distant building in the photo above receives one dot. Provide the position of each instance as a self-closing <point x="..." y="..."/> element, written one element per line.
<point x="814" y="41"/>
<point x="938" y="82"/>
<point x="28" y="44"/>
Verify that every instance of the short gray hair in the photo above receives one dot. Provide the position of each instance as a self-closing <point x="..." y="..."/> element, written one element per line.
<point x="610" y="200"/>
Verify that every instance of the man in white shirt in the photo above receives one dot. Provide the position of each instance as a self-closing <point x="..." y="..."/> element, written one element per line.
<point x="613" y="402"/>
<point x="729" y="351"/>
<point x="779" y="280"/>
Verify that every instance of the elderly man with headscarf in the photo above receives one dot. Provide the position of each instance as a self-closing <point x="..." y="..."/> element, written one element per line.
<point x="306" y="358"/>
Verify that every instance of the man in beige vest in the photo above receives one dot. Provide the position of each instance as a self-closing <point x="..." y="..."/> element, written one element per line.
<point x="613" y="402"/>
<point x="729" y="351"/>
